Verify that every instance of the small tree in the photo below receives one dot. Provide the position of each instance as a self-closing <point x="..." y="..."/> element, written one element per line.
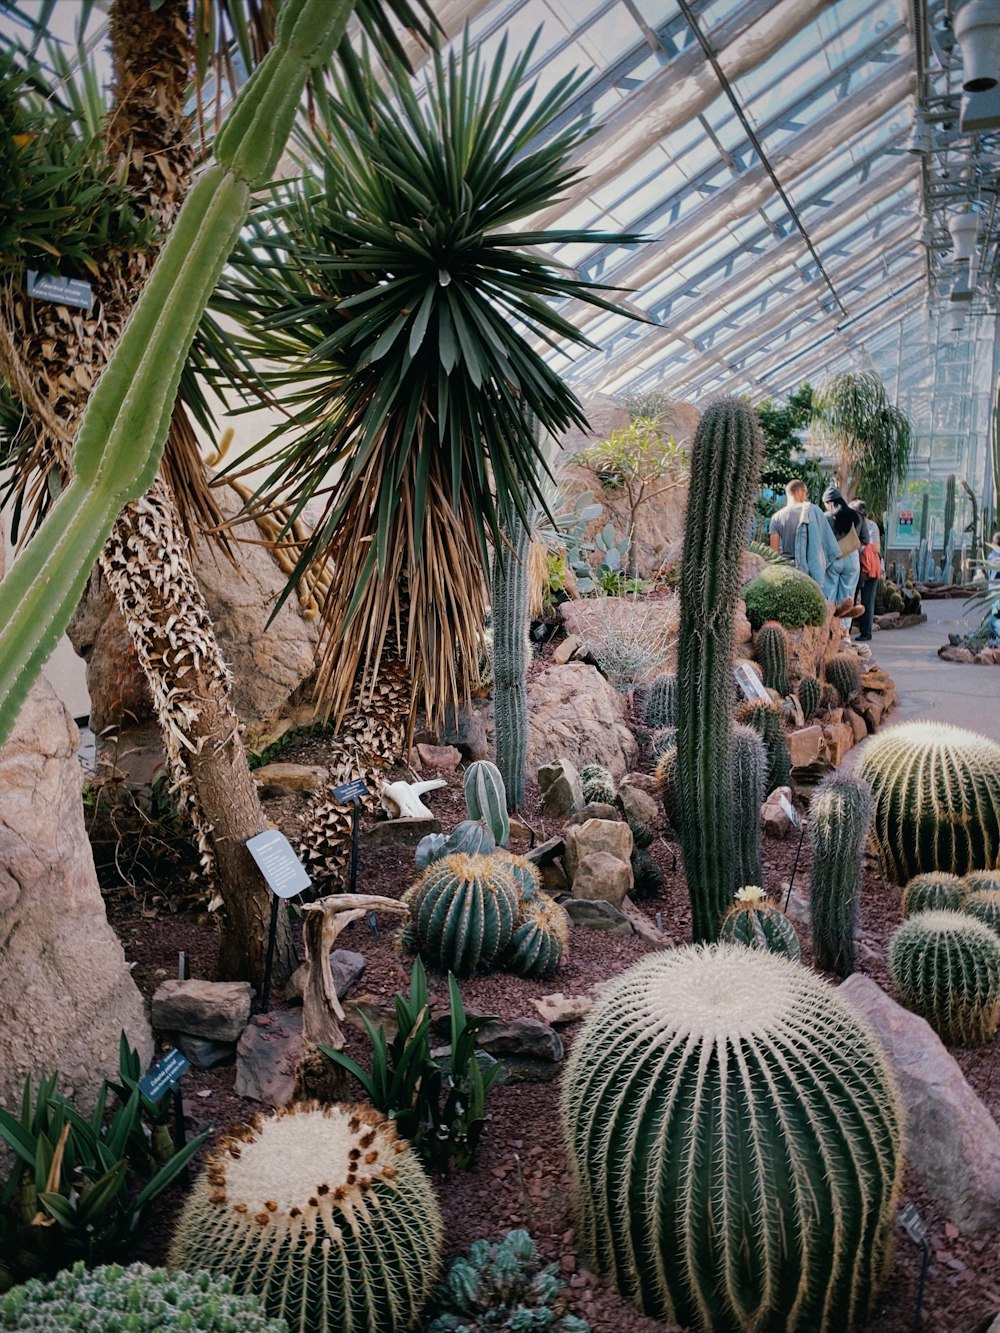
<point x="871" y="437"/>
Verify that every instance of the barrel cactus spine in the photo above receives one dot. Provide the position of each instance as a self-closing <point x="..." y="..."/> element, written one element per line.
<point x="462" y="913"/>
<point x="838" y="827"/>
<point x="661" y="741"/>
<point x="758" y="923"/>
<point x="661" y="706"/>
<point x="749" y="771"/>
<point x="809" y="691"/>
<point x="486" y="799"/>
<point x="598" y="785"/>
<point x="725" y="462"/>
<point x="670" y="1103"/>
<point x="984" y="905"/>
<point x="947" y="968"/>
<point x="844" y="674"/>
<point x="936" y="792"/>
<point x="323" y="1212"/>
<point x="935" y="891"/>
<point x="772" y="654"/>
<point x="511" y="655"/>
<point x="765" y="717"/>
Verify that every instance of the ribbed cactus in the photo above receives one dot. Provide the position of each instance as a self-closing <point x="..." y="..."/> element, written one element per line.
<point x="661" y="741"/>
<point x="749" y="769"/>
<point x="647" y="877"/>
<point x="808" y="692"/>
<point x="486" y="799"/>
<point x="734" y="1140"/>
<point x="661" y="706"/>
<point x="511" y="654"/>
<point x="758" y="923"/>
<point x="666" y="783"/>
<point x="936" y="795"/>
<point x="470" y="838"/>
<point x="984" y="906"/>
<point x="981" y="879"/>
<point x="597" y="784"/>
<point x="844" y="674"/>
<point x="765" y="717"/>
<point x="839" y="821"/>
<point x="947" y="968"/>
<point x="935" y="891"/>
<point x="725" y="462"/>
<point x="323" y="1212"/>
<point x="772" y="654"/>
<point x="539" y="940"/>
<point x="462" y="912"/>
<point x="527" y="880"/>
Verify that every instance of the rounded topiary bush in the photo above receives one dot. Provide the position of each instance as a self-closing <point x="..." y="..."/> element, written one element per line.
<point x="734" y="1138"/>
<point x="137" y="1299"/>
<point x="783" y="593"/>
<point x="947" y="968"/>
<point x="325" y="1213"/>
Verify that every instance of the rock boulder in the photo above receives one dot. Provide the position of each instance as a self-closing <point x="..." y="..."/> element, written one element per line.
<point x="559" y="784"/>
<point x="575" y="713"/>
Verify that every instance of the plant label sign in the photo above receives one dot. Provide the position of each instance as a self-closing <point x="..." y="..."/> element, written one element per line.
<point x="350" y="791"/>
<point x="277" y="862"/>
<point x="164" y="1075"/>
<point x="60" y="291"/>
<point x="790" y="811"/>
<point x="751" y="685"/>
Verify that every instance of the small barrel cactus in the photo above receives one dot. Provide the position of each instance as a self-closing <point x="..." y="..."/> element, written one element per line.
<point x="844" y="674"/>
<point x="470" y="838"/>
<point x="933" y="892"/>
<point x="984" y="906"/>
<point x="980" y="880"/>
<point x="661" y="706"/>
<point x="462" y="912"/>
<point x="809" y="692"/>
<point x="525" y="873"/>
<point x="759" y="923"/>
<point x="947" y="968"/>
<point x="647" y="877"/>
<point x="486" y="799"/>
<point x="325" y="1213"/>
<point x="749" y="769"/>
<point x="936" y="791"/>
<point x="772" y="654"/>
<point x="839" y="820"/>
<point x="713" y="1182"/>
<point x="137" y="1299"/>
<point x="765" y="717"/>
<point x="660" y="742"/>
<point x="597" y="784"/>
<point x="539" y="939"/>
<point x="666" y="783"/>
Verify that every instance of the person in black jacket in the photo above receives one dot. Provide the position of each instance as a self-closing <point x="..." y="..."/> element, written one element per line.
<point x="842" y="574"/>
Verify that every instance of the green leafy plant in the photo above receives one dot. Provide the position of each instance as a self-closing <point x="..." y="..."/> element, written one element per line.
<point x="407" y="1085"/>
<point x="785" y="594"/>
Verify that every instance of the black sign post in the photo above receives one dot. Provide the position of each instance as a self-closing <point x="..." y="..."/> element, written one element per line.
<point x="286" y="876"/>
<point x="353" y="792"/>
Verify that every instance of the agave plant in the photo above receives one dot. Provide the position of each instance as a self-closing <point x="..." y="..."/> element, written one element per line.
<point x="871" y="436"/>
<point x="396" y="301"/>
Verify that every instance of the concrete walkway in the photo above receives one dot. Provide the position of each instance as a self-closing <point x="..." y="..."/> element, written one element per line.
<point x="956" y="692"/>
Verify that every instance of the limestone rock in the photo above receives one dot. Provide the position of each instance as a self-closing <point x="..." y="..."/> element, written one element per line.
<point x="446" y="757"/>
<point x="466" y="731"/>
<point x="218" y="1010"/>
<point x="575" y="713"/>
<point x="596" y="835"/>
<point x="205" y="1053"/>
<point x="597" y="914"/>
<point x="777" y="824"/>
<point x="594" y="810"/>
<point x="856" y="723"/>
<point x="545" y="853"/>
<point x="563" y="651"/>
<point x="522" y="1037"/>
<point x="643" y="927"/>
<point x="399" y="832"/>
<point x="806" y="745"/>
<point x="601" y="875"/>
<point x="560" y="1008"/>
<point x="952" y="1141"/>
<point x="66" y="992"/>
<point x="742" y="629"/>
<point x="839" y="739"/>
<point x="637" y="803"/>
<point x="268" y="1057"/>
<point x="346" y="967"/>
<point x="559" y="784"/>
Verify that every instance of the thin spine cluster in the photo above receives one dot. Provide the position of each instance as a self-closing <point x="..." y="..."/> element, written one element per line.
<point x="772" y="654"/>
<point x="947" y="968"/>
<point x="597" y="784"/>
<point x="462" y="912"/>
<point x="839" y="823"/>
<point x="511" y="655"/>
<point x="725" y="462"/>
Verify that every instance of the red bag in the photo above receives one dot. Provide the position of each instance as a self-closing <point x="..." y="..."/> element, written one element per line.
<point x="871" y="561"/>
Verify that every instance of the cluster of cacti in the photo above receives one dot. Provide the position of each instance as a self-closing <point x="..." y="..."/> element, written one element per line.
<point x="462" y="912"/>
<point x="839" y="821"/>
<point x="809" y="692"/>
<point x="323" y="1212"/>
<point x="772" y="654"/>
<point x="783" y="593"/>
<point x="735" y="1143"/>
<point x="511" y="654"/>
<point x="661" y="705"/>
<point x="765" y="718"/>
<point x="725" y="462"/>
<point x="844" y="674"/>
<point x="137" y="1299"/>
<point x="486" y="799"/>
<point x="598" y="785"/>
<point x="540" y="935"/>
<point x="936" y="792"/>
<point x="947" y="968"/>
<point x="502" y="1288"/>
<point x="749" y="771"/>
<point x="757" y="922"/>
<point x="935" y="891"/>
<point x="471" y="837"/>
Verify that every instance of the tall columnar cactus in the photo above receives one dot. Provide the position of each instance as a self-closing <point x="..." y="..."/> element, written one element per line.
<point x="947" y="968"/>
<point x="511" y="655"/>
<point x="839" y="821"/>
<point x="766" y="718"/>
<point x="984" y="906"/>
<point x="714" y="1182"/>
<point x="772" y="654"/>
<point x="325" y="1213"/>
<point x="935" y="891"/>
<point x="462" y="912"/>
<point x="598" y="784"/>
<point x="808" y="692"/>
<point x="749" y="770"/>
<point x="844" y="674"/>
<point x="661" y="706"/>
<point x="758" y="923"/>
<point x="936" y="792"/>
<point x="124" y="428"/>
<point x="725" y="462"/>
<point x="486" y="799"/>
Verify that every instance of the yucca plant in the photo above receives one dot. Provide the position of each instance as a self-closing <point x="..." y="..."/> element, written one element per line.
<point x="396" y="301"/>
<point x="871" y="437"/>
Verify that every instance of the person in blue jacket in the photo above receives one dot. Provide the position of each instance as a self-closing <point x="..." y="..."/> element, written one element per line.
<point x="842" y="573"/>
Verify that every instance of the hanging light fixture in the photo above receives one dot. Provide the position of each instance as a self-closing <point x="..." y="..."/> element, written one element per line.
<point x="964" y="227"/>
<point x="977" y="27"/>
<point x="920" y="136"/>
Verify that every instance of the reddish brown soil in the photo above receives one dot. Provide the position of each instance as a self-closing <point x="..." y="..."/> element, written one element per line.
<point x="520" y="1177"/>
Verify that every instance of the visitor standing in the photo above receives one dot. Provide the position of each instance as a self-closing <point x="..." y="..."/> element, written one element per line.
<point x="813" y="545"/>
<point x="871" y="569"/>
<point x="842" y="572"/>
<point x="785" y="521"/>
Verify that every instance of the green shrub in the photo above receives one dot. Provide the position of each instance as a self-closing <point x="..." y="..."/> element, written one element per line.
<point x="785" y="594"/>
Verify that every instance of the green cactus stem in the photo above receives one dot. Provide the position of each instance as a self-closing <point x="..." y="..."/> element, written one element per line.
<point x="839" y="821"/>
<point x="981" y="879"/>
<point x="735" y="1144"/>
<point x="462" y="912"/>
<point x="984" y="905"/>
<point x="539" y="940"/>
<point x="772" y="654"/>
<point x="470" y="838"/>
<point x="844" y="674"/>
<point x="766" y="718"/>
<point x="511" y="655"/>
<point x="486" y="799"/>
<point x="947" y="968"/>
<point x="749" y="770"/>
<point x="666" y="782"/>
<point x="935" y="891"/>
<point x="661" y="706"/>
<point x="598" y="785"/>
<point x="758" y="923"/>
<point x="809" y="692"/>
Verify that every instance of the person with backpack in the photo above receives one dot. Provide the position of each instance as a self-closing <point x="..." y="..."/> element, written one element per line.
<point x="870" y="560"/>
